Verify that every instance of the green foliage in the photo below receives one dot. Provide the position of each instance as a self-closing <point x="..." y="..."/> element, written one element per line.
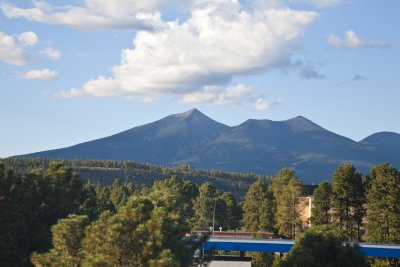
<point x="30" y="204"/>
<point x="381" y="263"/>
<point x="287" y="190"/>
<point x="322" y="247"/>
<point x="146" y="231"/>
<point x="139" y="234"/>
<point x="119" y="194"/>
<point x="321" y="204"/>
<point x="383" y="201"/>
<point x="145" y="226"/>
<point x="13" y="229"/>
<point x="348" y="201"/>
<point x="214" y="204"/>
<point x="261" y="259"/>
<point x="232" y="212"/>
<point x="103" y="199"/>
<point x="105" y="171"/>
<point x="67" y="236"/>
<point x="88" y="204"/>
<point x="259" y="208"/>
<point x="176" y="195"/>
<point x="204" y="207"/>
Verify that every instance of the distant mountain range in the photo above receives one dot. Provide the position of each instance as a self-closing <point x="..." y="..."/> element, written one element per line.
<point x="260" y="146"/>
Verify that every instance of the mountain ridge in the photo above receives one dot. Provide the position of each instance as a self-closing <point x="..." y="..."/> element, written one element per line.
<point x="260" y="146"/>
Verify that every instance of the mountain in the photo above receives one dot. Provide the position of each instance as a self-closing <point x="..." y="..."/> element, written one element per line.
<point x="260" y="146"/>
<point x="386" y="145"/>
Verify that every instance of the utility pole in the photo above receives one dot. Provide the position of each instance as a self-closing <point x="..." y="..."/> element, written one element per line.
<point x="215" y="202"/>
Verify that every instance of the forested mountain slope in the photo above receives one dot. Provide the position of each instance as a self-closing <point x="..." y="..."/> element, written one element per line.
<point x="258" y="146"/>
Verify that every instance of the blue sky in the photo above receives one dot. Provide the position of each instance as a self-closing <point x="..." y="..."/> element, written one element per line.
<point x="73" y="71"/>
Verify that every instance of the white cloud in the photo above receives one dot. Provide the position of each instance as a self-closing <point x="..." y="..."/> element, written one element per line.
<point x="28" y="38"/>
<point x="352" y="41"/>
<point x="237" y="95"/>
<point x="322" y="3"/>
<point x="13" y="47"/>
<point x="44" y="74"/>
<point x="219" y="41"/>
<point x="263" y="104"/>
<point x="95" y="14"/>
<point x="52" y="53"/>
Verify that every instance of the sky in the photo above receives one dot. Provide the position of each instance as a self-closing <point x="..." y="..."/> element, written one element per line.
<point x="74" y="71"/>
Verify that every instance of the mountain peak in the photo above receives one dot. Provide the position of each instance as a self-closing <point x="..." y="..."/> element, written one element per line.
<point x="191" y="112"/>
<point x="302" y="124"/>
<point x="382" y="137"/>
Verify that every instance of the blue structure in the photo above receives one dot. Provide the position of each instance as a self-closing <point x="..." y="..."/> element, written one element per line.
<point x="283" y="246"/>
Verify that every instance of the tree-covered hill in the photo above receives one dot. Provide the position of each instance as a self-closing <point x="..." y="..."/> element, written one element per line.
<point x="106" y="171"/>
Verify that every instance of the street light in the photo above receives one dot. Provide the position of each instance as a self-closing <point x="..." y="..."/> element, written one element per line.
<point x="215" y="202"/>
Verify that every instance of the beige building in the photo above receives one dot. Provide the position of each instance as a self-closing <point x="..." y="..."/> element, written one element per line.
<point x="305" y="210"/>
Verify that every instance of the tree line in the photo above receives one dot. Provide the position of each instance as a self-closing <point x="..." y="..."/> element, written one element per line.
<point x="52" y="217"/>
<point x="141" y="174"/>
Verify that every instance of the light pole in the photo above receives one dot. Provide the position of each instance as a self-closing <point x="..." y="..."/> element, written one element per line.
<point x="215" y="203"/>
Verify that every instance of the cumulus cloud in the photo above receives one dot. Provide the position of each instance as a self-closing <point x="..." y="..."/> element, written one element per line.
<point x="219" y="95"/>
<point x="13" y="47"/>
<point x="28" y="38"/>
<point x="236" y="95"/>
<point x="193" y="58"/>
<point x="52" y="53"/>
<point x="43" y="74"/>
<point x="95" y="14"/>
<point x="263" y="104"/>
<point x="352" y="41"/>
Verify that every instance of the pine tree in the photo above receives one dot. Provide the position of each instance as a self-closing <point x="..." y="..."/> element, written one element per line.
<point x="320" y="246"/>
<point x="383" y="201"/>
<point x="288" y="220"/>
<point x="348" y="199"/>
<point x="67" y="236"/>
<point x="321" y="204"/>
<point x="259" y="208"/>
<point x="204" y="207"/>
<point x="287" y="190"/>
<point x="233" y="212"/>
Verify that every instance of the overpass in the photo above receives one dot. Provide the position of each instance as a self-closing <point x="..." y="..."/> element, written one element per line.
<point x="284" y="246"/>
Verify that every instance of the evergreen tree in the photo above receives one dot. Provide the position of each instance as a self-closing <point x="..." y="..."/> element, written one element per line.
<point x="259" y="208"/>
<point x="176" y="196"/>
<point x="320" y="246"/>
<point x="103" y="202"/>
<point x="281" y="180"/>
<point x="259" y="215"/>
<point x="204" y="206"/>
<point x="233" y="212"/>
<point x="321" y="204"/>
<point x="287" y="190"/>
<point x="119" y="194"/>
<point x="67" y="236"/>
<point x="89" y="202"/>
<point x="139" y="234"/>
<point x="348" y="199"/>
<point x="383" y="201"/>
<point x="12" y="224"/>
<point x="30" y="204"/>
<point x="288" y="220"/>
